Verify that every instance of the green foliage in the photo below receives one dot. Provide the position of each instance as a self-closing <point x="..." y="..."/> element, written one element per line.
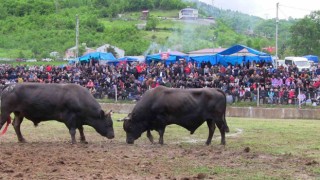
<point x="43" y="27"/>
<point x="110" y="49"/>
<point x="34" y="28"/>
<point x="152" y="22"/>
<point x="305" y="34"/>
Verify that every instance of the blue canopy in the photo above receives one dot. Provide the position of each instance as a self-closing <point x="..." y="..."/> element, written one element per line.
<point x="98" y="56"/>
<point x="229" y="55"/>
<point x="128" y="58"/>
<point x="171" y="57"/>
<point x="312" y="58"/>
<point x="206" y="58"/>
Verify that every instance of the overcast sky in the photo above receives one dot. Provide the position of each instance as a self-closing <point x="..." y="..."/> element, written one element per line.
<point x="267" y="8"/>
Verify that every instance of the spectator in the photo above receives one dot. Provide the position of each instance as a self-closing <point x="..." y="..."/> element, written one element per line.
<point x="271" y="96"/>
<point x="291" y="96"/>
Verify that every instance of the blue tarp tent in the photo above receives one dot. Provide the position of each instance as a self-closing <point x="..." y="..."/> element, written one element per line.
<point x="168" y="57"/>
<point x="73" y="61"/>
<point x="233" y="55"/>
<point x="98" y="56"/>
<point x="313" y="58"/>
<point x="206" y="58"/>
<point x="128" y="58"/>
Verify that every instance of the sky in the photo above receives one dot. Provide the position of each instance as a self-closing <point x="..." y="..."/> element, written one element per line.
<point x="267" y="8"/>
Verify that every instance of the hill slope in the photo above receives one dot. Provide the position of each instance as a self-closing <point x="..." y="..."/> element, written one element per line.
<point x="38" y="28"/>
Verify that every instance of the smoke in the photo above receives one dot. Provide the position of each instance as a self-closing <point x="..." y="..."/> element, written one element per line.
<point x="184" y="35"/>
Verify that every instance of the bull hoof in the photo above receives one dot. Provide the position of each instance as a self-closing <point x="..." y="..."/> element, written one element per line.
<point x="22" y="141"/>
<point x="84" y="142"/>
<point x="208" y="143"/>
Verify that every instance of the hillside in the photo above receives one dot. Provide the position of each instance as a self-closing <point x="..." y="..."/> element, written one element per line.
<point x="31" y="32"/>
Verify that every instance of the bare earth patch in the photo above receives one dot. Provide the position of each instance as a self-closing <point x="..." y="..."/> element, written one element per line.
<point x="113" y="159"/>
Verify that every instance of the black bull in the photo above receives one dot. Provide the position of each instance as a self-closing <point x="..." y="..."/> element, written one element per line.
<point x="67" y="103"/>
<point x="188" y="108"/>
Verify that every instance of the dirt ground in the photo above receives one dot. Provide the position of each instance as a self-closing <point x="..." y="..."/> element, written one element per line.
<point x="56" y="158"/>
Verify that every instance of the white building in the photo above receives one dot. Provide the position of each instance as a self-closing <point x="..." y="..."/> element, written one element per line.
<point x="188" y="13"/>
<point x="71" y="52"/>
<point x="104" y="48"/>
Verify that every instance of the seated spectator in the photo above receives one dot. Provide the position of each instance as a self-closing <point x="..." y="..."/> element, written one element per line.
<point x="241" y="93"/>
<point x="316" y="84"/>
<point x="90" y="84"/>
<point x="291" y="96"/>
<point x="271" y="96"/>
<point x="235" y="94"/>
<point x="247" y="95"/>
<point x="263" y="95"/>
<point x="276" y="96"/>
<point x="301" y="98"/>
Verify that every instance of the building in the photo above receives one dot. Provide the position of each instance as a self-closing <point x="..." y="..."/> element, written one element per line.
<point x="188" y="13"/>
<point x="207" y="51"/>
<point x="104" y="48"/>
<point x="144" y="14"/>
<point x="54" y="54"/>
<point x="71" y="52"/>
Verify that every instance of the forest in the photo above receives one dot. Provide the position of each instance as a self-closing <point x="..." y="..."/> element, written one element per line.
<point x="34" y="28"/>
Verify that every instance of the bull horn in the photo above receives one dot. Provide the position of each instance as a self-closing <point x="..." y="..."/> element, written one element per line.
<point x="110" y="113"/>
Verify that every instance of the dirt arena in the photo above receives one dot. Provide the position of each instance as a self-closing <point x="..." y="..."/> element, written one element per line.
<point x="49" y="155"/>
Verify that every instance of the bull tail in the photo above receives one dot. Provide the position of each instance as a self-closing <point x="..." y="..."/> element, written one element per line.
<point x="226" y="127"/>
<point x="6" y="127"/>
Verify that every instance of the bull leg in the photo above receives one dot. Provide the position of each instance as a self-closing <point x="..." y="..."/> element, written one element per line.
<point x="82" y="137"/>
<point x="16" y="125"/>
<point x="161" y="132"/>
<point x="72" y="132"/>
<point x="212" y="128"/>
<point x="149" y="135"/>
<point x="222" y="132"/>
<point x="4" y="118"/>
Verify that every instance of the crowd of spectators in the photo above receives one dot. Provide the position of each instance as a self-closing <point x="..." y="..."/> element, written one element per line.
<point x="129" y="80"/>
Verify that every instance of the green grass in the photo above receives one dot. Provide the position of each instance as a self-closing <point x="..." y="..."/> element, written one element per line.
<point x="13" y="53"/>
<point x="167" y="13"/>
<point x="276" y="136"/>
<point x="38" y="63"/>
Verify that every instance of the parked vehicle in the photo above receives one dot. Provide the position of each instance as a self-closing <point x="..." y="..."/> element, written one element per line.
<point x="46" y="59"/>
<point x="280" y="62"/>
<point x="31" y="60"/>
<point x="302" y="63"/>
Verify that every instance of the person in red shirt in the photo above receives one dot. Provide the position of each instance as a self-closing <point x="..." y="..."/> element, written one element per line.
<point x="291" y="96"/>
<point x="48" y="68"/>
<point x="187" y="70"/>
<point x="316" y="84"/>
<point x="222" y="69"/>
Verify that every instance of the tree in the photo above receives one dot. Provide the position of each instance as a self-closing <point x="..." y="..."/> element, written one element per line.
<point x="111" y="50"/>
<point x="152" y="22"/>
<point x="305" y="35"/>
